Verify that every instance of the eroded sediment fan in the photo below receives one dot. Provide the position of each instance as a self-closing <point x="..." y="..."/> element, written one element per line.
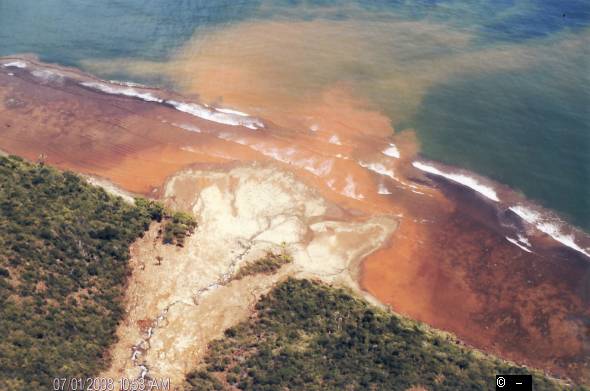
<point x="462" y="258"/>
<point x="176" y="307"/>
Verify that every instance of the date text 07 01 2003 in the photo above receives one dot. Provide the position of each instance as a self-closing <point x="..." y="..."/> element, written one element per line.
<point x="109" y="384"/>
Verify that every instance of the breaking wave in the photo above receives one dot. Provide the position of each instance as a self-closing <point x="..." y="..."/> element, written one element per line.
<point x="350" y="189"/>
<point x="551" y="228"/>
<point x="126" y="91"/>
<point x="383" y="190"/>
<point x="190" y="128"/>
<point x="15" y="64"/>
<point x="517" y="243"/>
<point x="378" y="168"/>
<point x="461" y="179"/>
<point x="230" y="111"/>
<point x="391" y="151"/>
<point x="221" y="116"/>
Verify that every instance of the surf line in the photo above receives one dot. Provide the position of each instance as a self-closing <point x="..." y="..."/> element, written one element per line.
<point x="219" y="115"/>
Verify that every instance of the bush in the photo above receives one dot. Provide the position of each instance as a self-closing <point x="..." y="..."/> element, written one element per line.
<point x="64" y="245"/>
<point x="268" y="264"/>
<point x="177" y="227"/>
<point x="307" y="336"/>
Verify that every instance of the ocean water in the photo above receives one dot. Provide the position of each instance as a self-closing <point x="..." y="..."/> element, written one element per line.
<point x="498" y="87"/>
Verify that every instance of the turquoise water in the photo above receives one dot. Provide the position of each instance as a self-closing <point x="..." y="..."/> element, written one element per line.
<point x="507" y="93"/>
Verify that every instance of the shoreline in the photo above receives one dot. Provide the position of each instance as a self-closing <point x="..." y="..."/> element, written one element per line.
<point x="130" y="139"/>
<point x="534" y="216"/>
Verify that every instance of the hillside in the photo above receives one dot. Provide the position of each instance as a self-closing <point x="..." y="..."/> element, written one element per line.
<point x="308" y="336"/>
<point x="64" y="247"/>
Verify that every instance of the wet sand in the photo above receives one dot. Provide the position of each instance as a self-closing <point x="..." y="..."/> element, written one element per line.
<point x="448" y="263"/>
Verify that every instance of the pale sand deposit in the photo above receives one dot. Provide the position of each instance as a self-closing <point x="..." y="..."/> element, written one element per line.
<point x="176" y="308"/>
<point x="111" y="188"/>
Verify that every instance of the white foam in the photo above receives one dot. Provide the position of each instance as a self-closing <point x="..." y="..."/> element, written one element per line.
<point x="48" y="75"/>
<point x="335" y="140"/>
<point x="16" y="64"/>
<point x="350" y="189"/>
<point x="230" y="111"/>
<point x="462" y="179"/>
<point x="516" y="243"/>
<point x="524" y="240"/>
<point x="550" y="228"/>
<point x="222" y="116"/>
<point x="10" y="74"/>
<point x="528" y="215"/>
<point x="230" y="137"/>
<point x="127" y="83"/>
<point x="391" y="151"/>
<point x="378" y="168"/>
<point x="322" y="169"/>
<point x="314" y="128"/>
<point x="383" y="190"/>
<point x="567" y="240"/>
<point x="208" y="114"/>
<point x="190" y="128"/>
<point x="286" y="155"/>
<point x="125" y="91"/>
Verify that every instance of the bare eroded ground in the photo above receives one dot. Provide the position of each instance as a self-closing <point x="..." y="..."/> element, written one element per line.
<point x="175" y="308"/>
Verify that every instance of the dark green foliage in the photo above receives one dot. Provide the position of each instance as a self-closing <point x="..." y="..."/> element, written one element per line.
<point x="307" y="336"/>
<point x="203" y="381"/>
<point x="265" y="265"/>
<point x="63" y="266"/>
<point x="177" y="227"/>
<point x="154" y="209"/>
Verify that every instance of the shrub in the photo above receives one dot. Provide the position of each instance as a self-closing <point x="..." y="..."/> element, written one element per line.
<point x="268" y="264"/>
<point x="177" y="227"/>
<point x="308" y="336"/>
<point x="59" y="238"/>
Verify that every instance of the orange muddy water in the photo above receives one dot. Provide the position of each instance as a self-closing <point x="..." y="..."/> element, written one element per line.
<point x="448" y="264"/>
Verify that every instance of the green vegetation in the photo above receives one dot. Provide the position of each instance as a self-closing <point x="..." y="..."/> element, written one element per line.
<point x="268" y="264"/>
<point x="203" y="381"/>
<point x="307" y="336"/>
<point x="177" y="227"/>
<point x="154" y="209"/>
<point x="64" y="247"/>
